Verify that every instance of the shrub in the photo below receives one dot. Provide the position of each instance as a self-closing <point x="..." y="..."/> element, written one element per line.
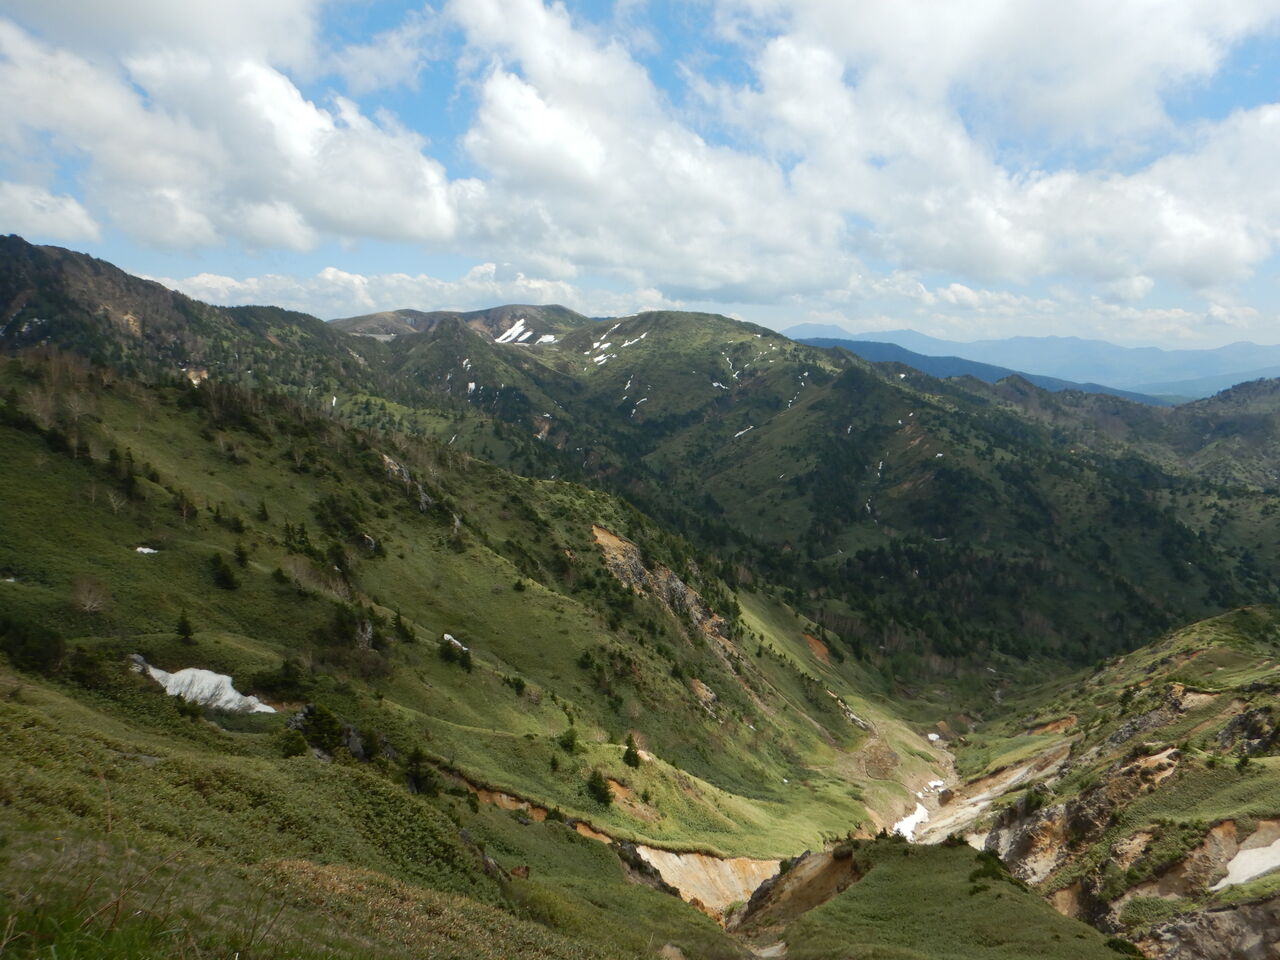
<point x="420" y="776"/>
<point x="321" y="728"/>
<point x="292" y="743"/>
<point x="568" y="740"/>
<point x="631" y="756"/>
<point x="598" y="788"/>
<point x="30" y="646"/>
<point x="223" y="575"/>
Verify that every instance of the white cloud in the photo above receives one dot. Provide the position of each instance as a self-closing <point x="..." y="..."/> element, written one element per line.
<point x="391" y="59"/>
<point x="34" y="212"/>
<point x="220" y="149"/>
<point x="337" y="293"/>
<point x="587" y="163"/>
<point x="277" y="31"/>
<point x="932" y="140"/>
<point x="1089" y="69"/>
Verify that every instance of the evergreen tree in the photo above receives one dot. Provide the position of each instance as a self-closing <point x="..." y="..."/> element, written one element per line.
<point x="598" y="788"/>
<point x="631" y="756"/>
<point x="185" y="633"/>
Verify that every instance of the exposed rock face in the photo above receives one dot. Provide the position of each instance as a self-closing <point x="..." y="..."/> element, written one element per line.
<point x="713" y="883"/>
<point x="1034" y="844"/>
<point x="1249" y="931"/>
<point x="808" y="881"/>
<point x="1255" y="731"/>
<point x="624" y="560"/>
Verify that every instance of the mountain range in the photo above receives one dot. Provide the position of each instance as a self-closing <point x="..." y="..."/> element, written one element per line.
<point x="516" y="632"/>
<point x="1187" y="374"/>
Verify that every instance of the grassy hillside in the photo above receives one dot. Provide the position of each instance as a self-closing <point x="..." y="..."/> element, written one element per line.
<point x="932" y="525"/>
<point x="1174" y="764"/>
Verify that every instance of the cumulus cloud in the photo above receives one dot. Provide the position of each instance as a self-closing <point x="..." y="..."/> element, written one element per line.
<point x="35" y="212"/>
<point x="280" y="31"/>
<point x="391" y="59"/>
<point x="993" y="147"/>
<point x="338" y="293"/>
<point x="222" y="149"/>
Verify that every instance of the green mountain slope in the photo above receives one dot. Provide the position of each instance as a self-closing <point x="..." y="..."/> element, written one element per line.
<point x="665" y="586"/>
<point x="1161" y="819"/>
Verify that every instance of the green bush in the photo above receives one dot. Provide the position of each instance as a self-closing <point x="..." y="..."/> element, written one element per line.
<point x="292" y="743"/>
<point x="598" y="788"/>
<point x="223" y="575"/>
<point x="631" y="756"/>
<point x="30" y="646"/>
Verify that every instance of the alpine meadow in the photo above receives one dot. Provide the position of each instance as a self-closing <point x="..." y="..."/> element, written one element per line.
<point x="832" y="513"/>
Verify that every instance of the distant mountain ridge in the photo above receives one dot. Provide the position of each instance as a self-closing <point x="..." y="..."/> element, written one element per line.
<point x="1143" y="369"/>
<point x="551" y="319"/>
<point x="943" y="367"/>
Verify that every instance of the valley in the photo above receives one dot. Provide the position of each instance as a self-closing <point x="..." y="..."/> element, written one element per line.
<point x="520" y="633"/>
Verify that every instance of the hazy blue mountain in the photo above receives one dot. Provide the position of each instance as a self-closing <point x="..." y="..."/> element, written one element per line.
<point x="959" y="367"/>
<point x="1208" y="386"/>
<point x="1080" y="360"/>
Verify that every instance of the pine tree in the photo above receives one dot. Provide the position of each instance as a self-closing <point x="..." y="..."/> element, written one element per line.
<point x="598" y="788"/>
<point x="185" y="633"/>
<point x="631" y="756"/>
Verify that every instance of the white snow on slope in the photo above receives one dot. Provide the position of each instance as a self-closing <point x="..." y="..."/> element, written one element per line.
<point x="147" y="550"/>
<point x="524" y="336"/>
<point x="204" y="687"/>
<point x="906" y="827"/>
<point x="741" y="432"/>
<point x="1248" y="864"/>
<point x="546" y="338"/>
<point x="512" y="332"/>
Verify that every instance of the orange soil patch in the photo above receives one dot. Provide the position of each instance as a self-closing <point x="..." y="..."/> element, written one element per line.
<point x="590" y="834"/>
<point x="504" y="801"/>
<point x="818" y="648"/>
<point x="1055" y="726"/>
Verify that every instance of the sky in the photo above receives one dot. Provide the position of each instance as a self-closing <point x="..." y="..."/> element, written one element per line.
<point x="1098" y="168"/>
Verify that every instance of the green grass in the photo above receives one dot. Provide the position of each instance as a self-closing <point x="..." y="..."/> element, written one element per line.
<point x="919" y="903"/>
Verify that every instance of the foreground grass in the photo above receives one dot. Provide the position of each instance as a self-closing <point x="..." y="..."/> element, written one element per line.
<point x="937" y="903"/>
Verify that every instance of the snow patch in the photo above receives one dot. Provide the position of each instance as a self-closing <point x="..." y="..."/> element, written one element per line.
<point x="524" y="336"/>
<point x="146" y="550"/>
<point x="204" y="687"/>
<point x="934" y="738"/>
<point x="546" y="338"/>
<point x="717" y="383"/>
<point x="1248" y="864"/>
<point x="906" y="827"/>
<point x="512" y="332"/>
<point x="741" y="432"/>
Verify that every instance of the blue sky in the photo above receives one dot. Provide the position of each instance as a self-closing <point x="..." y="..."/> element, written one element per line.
<point x="972" y="170"/>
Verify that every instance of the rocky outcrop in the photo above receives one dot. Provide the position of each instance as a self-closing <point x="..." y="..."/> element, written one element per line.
<point x="708" y="882"/>
<point x="1033" y="844"/>
<point x="1252" y="732"/>
<point x="625" y="561"/>
<point x="1249" y="931"/>
<point x="802" y="883"/>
